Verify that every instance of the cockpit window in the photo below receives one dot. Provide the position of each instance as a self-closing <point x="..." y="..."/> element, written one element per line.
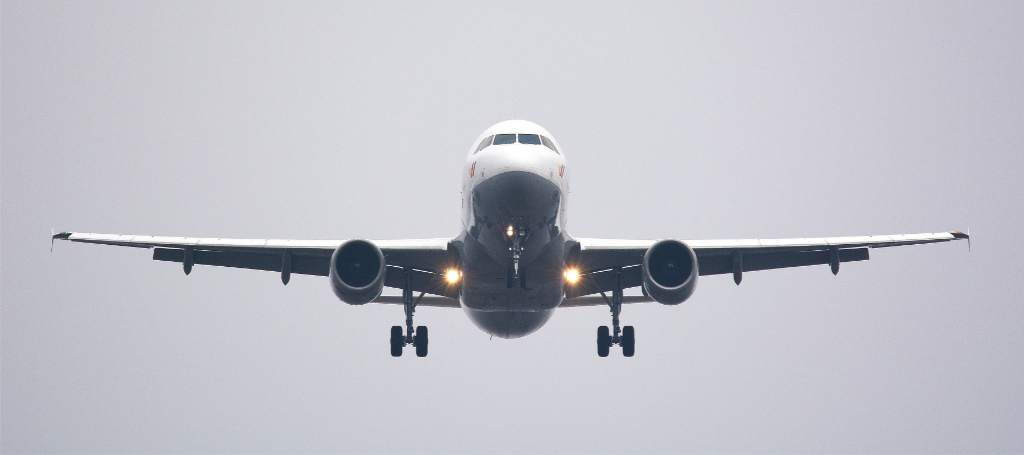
<point x="502" y="139"/>
<point x="532" y="139"/>
<point x="547" y="143"/>
<point x="484" y="144"/>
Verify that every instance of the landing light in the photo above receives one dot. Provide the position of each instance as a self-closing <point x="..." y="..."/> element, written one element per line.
<point x="510" y="232"/>
<point x="453" y="275"/>
<point x="572" y="275"/>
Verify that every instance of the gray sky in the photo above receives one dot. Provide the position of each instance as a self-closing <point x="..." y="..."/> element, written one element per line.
<point x="686" y="120"/>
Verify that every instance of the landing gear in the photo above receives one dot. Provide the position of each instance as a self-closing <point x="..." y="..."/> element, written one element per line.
<point x="420" y="340"/>
<point x="625" y="336"/>
<point x="512" y="274"/>
<point x="417" y="338"/>
<point x="397" y="341"/>
<point x="604" y="341"/>
<point x="628" y="341"/>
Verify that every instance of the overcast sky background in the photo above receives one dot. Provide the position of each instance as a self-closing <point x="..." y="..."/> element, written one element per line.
<point x="685" y="120"/>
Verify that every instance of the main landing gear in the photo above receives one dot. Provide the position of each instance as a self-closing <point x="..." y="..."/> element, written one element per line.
<point x="624" y="337"/>
<point x="417" y="338"/>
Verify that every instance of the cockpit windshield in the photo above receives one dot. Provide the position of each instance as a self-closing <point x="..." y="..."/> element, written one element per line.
<point x="532" y="139"/>
<point x="502" y="139"/>
<point x="505" y="139"/>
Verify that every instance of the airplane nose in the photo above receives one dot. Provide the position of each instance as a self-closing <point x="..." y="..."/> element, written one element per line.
<point x="518" y="157"/>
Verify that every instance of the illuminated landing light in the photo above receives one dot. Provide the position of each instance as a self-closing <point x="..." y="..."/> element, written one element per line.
<point x="453" y="275"/>
<point x="510" y="232"/>
<point x="572" y="275"/>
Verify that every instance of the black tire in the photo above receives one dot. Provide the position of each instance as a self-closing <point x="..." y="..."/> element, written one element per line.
<point x="420" y="340"/>
<point x="397" y="341"/>
<point x="628" y="341"/>
<point x="604" y="341"/>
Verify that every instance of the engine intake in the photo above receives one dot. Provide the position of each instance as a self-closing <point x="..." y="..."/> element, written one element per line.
<point x="357" y="272"/>
<point x="670" y="272"/>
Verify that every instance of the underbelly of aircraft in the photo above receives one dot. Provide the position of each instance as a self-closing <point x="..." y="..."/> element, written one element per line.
<point x="520" y="309"/>
<point x="504" y="297"/>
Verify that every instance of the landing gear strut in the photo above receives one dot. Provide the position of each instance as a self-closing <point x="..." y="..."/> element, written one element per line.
<point x="512" y="274"/>
<point x="417" y="338"/>
<point x="623" y="337"/>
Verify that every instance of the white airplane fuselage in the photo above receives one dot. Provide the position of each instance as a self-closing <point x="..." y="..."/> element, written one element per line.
<point x="513" y="247"/>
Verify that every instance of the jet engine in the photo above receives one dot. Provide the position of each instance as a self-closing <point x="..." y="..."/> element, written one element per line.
<point x="670" y="272"/>
<point x="357" y="272"/>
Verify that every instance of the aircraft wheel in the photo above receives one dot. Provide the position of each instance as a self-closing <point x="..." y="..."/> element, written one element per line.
<point x="604" y="341"/>
<point x="628" y="341"/>
<point x="397" y="341"/>
<point x="420" y="340"/>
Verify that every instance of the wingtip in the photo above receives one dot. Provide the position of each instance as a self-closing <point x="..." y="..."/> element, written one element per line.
<point x="957" y="235"/>
<point x="62" y="235"/>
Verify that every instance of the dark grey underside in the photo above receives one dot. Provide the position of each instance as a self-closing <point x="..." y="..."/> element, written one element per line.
<point x="428" y="279"/>
<point x="448" y="302"/>
<point x="526" y="201"/>
<point x="428" y="274"/>
<point x="523" y="200"/>
<point x="599" y="278"/>
<point x="484" y="289"/>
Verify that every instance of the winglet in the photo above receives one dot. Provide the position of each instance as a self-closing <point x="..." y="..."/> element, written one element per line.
<point x="62" y="235"/>
<point x="960" y="235"/>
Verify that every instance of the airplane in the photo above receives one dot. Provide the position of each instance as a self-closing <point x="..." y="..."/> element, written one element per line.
<point x="513" y="263"/>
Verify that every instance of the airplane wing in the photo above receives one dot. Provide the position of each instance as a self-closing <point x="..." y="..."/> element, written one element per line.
<point x="598" y="256"/>
<point x="427" y="257"/>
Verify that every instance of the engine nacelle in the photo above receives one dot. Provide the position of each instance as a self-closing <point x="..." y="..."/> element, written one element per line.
<point x="357" y="272"/>
<point x="670" y="272"/>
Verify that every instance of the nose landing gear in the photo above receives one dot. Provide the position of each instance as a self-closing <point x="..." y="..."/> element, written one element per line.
<point x="417" y="338"/>
<point x="625" y="336"/>
<point x="513" y="275"/>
